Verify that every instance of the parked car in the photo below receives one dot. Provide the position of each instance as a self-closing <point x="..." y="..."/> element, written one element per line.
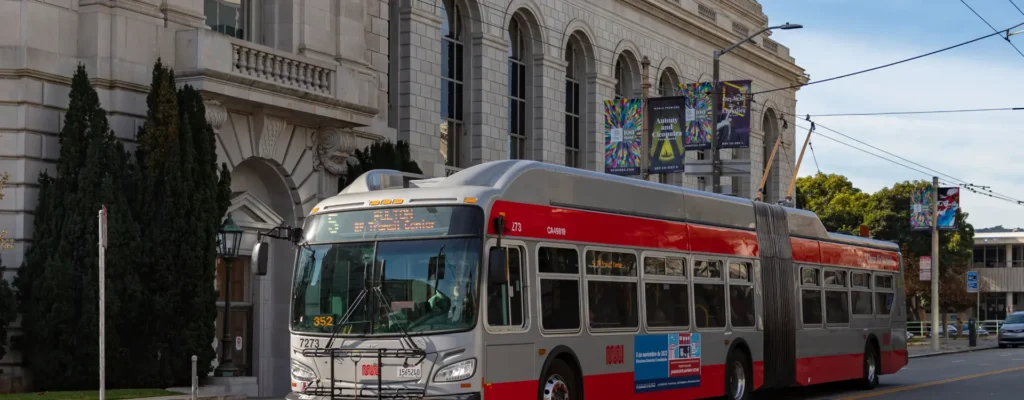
<point x="1011" y="333"/>
<point x="966" y="330"/>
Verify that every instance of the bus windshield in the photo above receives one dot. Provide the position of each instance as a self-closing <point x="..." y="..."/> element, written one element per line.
<point x="429" y="283"/>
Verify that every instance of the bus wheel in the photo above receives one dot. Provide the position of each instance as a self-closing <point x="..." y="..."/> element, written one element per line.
<point x="739" y="380"/>
<point x="560" y="383"/>
<point x="870" y="380"/>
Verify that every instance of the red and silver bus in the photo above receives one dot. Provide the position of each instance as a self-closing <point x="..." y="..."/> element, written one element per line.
<point x="515" y="280"/>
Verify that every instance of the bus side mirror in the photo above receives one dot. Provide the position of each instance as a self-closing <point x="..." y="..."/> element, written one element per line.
<point x="497" y="267"/>
<point x="436" y="268"/>
<point x="260" y="256"/>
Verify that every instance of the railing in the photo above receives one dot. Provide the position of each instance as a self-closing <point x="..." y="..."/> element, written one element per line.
<point x="923" y="328"/>
<point x="250" y="60"/>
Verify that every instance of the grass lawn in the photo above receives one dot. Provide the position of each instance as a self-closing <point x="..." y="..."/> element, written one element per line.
<point x="116" y="394"/>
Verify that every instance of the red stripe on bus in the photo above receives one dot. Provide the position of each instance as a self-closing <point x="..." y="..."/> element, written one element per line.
<point x="555" y="223"/>
<point x="618" y="386"/>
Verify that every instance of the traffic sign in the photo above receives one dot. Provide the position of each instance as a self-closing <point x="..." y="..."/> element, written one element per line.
<point x="972" y="281"/>
<point x="238" y="343"/>
<point x="925" y="273"/>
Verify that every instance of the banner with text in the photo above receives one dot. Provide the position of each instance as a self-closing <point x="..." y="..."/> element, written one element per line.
<point x="949" y="204"/>
<point x="733" y="120"/>
<point x="623" y="120"/>
<point x="921" y="209"/>
<point x="666" y="117"/>
<point x="924" y="269"/>
<point x="666" y="362"/>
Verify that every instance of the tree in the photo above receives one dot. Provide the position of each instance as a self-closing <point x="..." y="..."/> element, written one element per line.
<point x="8" y="311"/>
<point x="182" y="196"/>
<point x="837" y="202"/>
<point x="380" y="155"/>
<point x="5" y="242"/>
<point x="58" y="283"/>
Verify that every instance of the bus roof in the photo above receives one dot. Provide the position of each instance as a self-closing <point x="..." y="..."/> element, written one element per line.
<point x="540" y="183"/>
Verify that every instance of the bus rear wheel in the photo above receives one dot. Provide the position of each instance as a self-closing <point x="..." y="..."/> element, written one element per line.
<point x="871" y="367"/>
<point x="739" y="377"/>
<point x="559" y="383"/>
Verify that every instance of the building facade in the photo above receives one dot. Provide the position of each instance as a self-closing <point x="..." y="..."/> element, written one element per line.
<point x="294" y="87"/>
<point x="999" y="260"/>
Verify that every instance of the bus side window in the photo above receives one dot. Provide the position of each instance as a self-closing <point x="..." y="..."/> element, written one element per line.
<point x="505" y="300"/>
<point x="810" y="295"/>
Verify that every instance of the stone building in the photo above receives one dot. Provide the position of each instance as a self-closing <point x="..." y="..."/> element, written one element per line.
<point x="293" y="87"/>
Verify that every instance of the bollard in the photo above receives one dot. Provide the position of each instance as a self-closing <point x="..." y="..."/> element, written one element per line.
<point x="195" y="379"/>
<point x="973" y="337"/>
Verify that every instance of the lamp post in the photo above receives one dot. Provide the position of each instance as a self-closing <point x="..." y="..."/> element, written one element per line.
<point x="716" y="100"/>
<point x="229" y="237"/>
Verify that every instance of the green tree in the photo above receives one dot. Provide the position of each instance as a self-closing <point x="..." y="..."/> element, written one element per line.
<point x="58" y="283"/>
<point x="182" y="196"/>
<point x="380" y="155"/>
<point x="8" y="310"/>
<point x="837" y="202"/>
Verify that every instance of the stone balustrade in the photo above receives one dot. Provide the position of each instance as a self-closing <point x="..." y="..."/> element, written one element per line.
<point x="258" y="62"/>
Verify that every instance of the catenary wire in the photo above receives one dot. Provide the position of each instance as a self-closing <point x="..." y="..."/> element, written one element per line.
<point x="966" y="110"/>
<point x="1018" y="8"/>
<point x="886" y="65"/>
<point x="993" y="28"/>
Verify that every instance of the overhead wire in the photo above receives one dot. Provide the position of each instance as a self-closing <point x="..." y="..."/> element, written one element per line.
<point x="918" y="112"/>
<point x="993" y="28"/>
<point x="799" y="85"/>
<point x="1018" y="8"/>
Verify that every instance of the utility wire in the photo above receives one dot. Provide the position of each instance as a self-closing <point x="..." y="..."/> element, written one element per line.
<point x="1018" y="8"/>
<point x="919" y="112"/>
<point x="887" y="65"/>
<point x="993" y="28"/>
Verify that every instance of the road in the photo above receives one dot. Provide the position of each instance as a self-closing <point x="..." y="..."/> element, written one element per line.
<point x="995" y="374"/>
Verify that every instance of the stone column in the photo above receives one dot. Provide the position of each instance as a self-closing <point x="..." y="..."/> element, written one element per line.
<point x="419" y="75"/>
<point x="547" y="140"/>
<point x="599" y="88"/>
<point x="488" y="124"/>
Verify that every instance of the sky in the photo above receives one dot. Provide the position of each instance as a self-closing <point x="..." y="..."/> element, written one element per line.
<point x="981" y="148"/>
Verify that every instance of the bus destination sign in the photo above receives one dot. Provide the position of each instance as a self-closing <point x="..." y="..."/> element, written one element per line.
<point x="393" y="220"/>
<point x="398" y="222"/>
<point x="666" y="362"/>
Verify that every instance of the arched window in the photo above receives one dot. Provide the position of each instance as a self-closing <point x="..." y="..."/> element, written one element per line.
<point x="627" y="75"/>
<point x="769" y="125"/>
<point x="573" y="75"/>
<point x="518" y="82"/>
<point x="453" y="128"/>
<point x="620" y="83"/>
<point x="668" y="83"/>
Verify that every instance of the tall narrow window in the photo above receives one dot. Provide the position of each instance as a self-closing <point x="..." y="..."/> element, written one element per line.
<point x="452" y="93"/>
<point x="518" y="81"/>
<point x="230" y="17"/>
<point x="572" y="107"/>
<point x="665" y="86"/>
<point x="620" y="83"/>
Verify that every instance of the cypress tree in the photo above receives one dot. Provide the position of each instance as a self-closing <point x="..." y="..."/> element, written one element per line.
<point x="380" y="155"/>
<point x="58" y="284"/>
<point x="181" y="198"/>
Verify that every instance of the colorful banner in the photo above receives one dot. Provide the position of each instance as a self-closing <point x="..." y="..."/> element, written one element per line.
<point x="623" y="120"/>
<point x="734" y="116"/>
<point x="666" y="117"/>
<point x="949" y="204"/>
<point x="666" y="362"/>
<point x="921" y="209"/>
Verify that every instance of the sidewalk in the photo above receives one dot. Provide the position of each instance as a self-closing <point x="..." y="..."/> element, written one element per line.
<point x="949" y="346"/>
<point x="205" y="393"/>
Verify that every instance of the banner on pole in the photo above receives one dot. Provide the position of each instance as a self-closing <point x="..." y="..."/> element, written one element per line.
<point x="921" y="209"/>
<point x="949" y="204"/>
<point x="925" y="269"/>
<point x="666" y="118"/>
<point x="972" y="281"/>
<point x="623" y="120"/>
<point x="733" y="122"/>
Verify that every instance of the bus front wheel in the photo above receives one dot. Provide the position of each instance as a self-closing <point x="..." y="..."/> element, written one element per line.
<point x="739" y="381"/>
<point x="559" y="383"/>
<point x="871" y="367"/>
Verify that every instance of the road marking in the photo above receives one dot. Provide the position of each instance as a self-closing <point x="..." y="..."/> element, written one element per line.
<point x="956" y="361"/>
<point x="934" y="383"/>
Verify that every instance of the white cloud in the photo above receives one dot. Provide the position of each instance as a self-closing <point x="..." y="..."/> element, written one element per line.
<point x="980" y="148"/>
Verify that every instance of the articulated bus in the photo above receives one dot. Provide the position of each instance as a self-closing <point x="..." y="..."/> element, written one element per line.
<point x="515" y="280"/>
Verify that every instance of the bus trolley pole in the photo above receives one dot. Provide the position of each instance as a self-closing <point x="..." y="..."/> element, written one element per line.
<point x="645" y="143"/>
<point x="935" y="264"/>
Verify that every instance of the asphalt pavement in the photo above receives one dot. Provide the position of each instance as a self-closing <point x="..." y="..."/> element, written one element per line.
<point x="991" y="374"/>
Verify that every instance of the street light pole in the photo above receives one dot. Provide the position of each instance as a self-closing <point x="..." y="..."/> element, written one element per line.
<point x="230" y="236"/>
<point x="716" y="103"/>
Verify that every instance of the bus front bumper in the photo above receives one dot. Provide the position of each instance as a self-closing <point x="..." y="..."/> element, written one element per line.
<point x="461" y="396"/>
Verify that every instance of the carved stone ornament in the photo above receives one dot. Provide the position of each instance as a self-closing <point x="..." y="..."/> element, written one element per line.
<point x="216" y="114"/>
<point x="272" y="128"/>
<point x="333" y="150"/>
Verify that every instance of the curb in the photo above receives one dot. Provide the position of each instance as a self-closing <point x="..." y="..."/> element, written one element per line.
<point x="942" y="353"/>
<point x="201" y="397"/>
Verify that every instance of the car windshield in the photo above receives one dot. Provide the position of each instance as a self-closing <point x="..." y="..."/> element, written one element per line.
<point x="1014" y="319"/>
<point x="429" y="285"/>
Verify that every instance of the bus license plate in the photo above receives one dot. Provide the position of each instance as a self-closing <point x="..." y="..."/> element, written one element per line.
<point x="410" y="373"/>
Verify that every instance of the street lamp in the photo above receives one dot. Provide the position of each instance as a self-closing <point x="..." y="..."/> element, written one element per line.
<point x="228" y="239"/>
<point x="716" y="99"/>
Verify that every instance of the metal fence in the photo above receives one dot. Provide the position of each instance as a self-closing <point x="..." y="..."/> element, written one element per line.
<point x="923" y="328"/>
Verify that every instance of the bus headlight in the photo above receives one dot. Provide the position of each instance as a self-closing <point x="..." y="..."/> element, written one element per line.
<point x="461" y="370"/>
<point x="302" y="373"/>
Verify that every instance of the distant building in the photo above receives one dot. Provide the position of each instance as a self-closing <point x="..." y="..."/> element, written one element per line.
<point x="999" y="260"/>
